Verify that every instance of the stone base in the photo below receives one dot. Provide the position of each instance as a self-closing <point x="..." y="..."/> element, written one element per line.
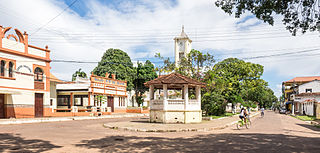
<point x="171" y="116"/>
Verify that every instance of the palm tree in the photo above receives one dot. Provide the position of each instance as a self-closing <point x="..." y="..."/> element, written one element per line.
<point x="79" y="73"/>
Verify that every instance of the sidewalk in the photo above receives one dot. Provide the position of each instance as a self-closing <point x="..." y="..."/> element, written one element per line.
<point x="143" y="125"/>
<point x="57" y="119"/>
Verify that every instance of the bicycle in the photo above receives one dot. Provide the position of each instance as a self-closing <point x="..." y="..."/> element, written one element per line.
<point x="241" y="124"/>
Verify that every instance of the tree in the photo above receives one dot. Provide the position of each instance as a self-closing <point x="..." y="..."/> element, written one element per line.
<point x="193" y="65"/>
<point x="233" y="79"/>
<point x="78" y="73"/>
<point x="116" y="61"/>
<point x="297" y="14"/>
<point x="145" y="72"/>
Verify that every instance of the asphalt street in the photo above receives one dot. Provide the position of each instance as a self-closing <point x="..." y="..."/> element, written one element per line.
<point x="272" y="133"/>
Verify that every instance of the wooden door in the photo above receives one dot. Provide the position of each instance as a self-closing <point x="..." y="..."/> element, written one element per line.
<point x="38" y="105"/>
<point x="2" y="114"/>
<point x="111" y="103"/>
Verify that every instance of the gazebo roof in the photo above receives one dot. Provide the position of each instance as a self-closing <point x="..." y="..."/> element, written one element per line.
<point x="174" y="80"/>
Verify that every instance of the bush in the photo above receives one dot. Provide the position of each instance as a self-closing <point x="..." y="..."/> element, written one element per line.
<point x="213" y="104"/>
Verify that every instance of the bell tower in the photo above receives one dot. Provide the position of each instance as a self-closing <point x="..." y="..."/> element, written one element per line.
<point x="182" y="46"/>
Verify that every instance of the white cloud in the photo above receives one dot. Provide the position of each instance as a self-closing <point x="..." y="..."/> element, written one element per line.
<point x="153" y="25"/>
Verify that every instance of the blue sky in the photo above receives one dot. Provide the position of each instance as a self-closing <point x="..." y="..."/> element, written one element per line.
<point x="145" y="27"/>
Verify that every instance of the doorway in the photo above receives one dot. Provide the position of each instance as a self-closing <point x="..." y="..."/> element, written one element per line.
<point x="38" y="105"/>
<point x="110" y="103"/>
<point x="2" y="111"/>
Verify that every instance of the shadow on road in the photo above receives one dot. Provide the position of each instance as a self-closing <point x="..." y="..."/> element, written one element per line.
<point x="311" y="127"/>
<point x="206" y="143"/>
<point x="11" y="143"/>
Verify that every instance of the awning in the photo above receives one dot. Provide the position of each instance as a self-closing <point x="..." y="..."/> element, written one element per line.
<point x="9" y="92"/>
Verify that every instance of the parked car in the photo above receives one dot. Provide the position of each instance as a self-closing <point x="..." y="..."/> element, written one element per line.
<point x="282" y="111"/>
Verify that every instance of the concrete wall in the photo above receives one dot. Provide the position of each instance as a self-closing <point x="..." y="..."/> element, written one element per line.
<point x="160" y="116"/>
<point x="314" y="85"/>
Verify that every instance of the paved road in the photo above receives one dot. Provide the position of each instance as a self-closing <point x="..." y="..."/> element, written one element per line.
<point x="273" y="133"/>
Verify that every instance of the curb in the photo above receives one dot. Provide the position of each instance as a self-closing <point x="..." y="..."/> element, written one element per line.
<point x="173" y="130"/>
<point x="43" y="120"/>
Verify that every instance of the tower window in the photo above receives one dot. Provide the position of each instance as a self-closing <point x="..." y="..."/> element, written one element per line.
<point x="10" y="69"/>
<point x="2" y="67"/>
<point x="38" y="74"/>
<point x="181" y="55"/>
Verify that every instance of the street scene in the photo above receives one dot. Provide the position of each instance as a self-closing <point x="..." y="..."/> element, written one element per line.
<point x="159" y="76"/>
<point x="288" y="135"/>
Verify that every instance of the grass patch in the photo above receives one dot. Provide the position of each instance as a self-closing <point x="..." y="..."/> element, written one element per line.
<point x="306" y="118"/>
<point x="224" y="115"/>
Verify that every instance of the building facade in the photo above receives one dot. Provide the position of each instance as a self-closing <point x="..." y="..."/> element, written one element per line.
<point x="291" y="87"/>
<point x="24" y="76"/>
<point x="307" y="98"/>
<point x="96" y="94"/>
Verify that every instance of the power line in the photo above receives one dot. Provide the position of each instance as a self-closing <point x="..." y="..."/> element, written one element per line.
<point x="54" y="17"/>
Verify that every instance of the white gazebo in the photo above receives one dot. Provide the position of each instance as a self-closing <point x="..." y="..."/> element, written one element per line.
<point x="175" y="110"/>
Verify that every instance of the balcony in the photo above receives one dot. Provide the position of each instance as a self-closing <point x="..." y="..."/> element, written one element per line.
<point x="39" y="85"/>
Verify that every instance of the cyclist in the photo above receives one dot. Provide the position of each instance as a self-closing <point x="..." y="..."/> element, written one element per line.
<point x="262" y="111"/>
<point x="243" y="114"/>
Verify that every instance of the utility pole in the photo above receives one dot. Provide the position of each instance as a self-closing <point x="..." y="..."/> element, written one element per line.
<point x="137" y="79"/>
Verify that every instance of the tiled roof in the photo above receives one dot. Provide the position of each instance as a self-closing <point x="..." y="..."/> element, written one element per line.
<point x="54" y="78"/>
<point x="303" y="79"/>
<point x="174" y="78"/>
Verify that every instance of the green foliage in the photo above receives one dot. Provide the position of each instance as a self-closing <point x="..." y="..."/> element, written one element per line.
<point x="297" y="14"/>
<point x="79" y="73"/>
<point x="238" y="81"/>
<point x="220" y="116"/>
<point x="117" y="62"/>
<point x="306" y="118"/>
<point x="213" y="103"/>
<point x="145" y="72"/>
<point x="193" y="65"/>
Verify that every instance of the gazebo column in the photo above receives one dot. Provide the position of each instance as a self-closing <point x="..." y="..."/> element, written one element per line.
<point x="151" y="92"/>
<point x="186" y="96"/>
<point x="198" y="96"/>
<point x="165" y="96"/>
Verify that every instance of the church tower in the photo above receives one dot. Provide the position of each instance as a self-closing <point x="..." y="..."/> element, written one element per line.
<point x="182" y="46"/>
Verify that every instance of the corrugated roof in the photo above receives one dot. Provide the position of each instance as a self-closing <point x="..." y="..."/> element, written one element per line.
<point x="303" y="79"/>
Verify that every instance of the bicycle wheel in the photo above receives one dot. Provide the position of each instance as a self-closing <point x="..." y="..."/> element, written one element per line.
<point x="248" y="124"/>
<point x="238" y="125"/>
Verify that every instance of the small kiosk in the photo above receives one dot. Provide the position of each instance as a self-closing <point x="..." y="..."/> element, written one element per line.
<point x="184" y="109"/>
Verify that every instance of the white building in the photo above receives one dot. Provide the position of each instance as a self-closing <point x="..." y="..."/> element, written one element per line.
<point x="24" y="76"/>
<point x="182" y="46"/>
<point x="307" y="97"/>
<point x="164" y="109"/>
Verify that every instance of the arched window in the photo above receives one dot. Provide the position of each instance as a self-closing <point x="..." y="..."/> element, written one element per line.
<point x="2" y="67"/>
<point x="10" y="69"/>
<point x="38" y="74"/>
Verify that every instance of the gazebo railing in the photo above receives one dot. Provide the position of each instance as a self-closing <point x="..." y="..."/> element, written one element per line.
<point x="156" y="104"/>
<point x="175" y="102"/>
<point x="193" y="102"/>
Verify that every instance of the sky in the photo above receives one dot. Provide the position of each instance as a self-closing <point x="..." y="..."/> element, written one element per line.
<point x="84" y="31"/>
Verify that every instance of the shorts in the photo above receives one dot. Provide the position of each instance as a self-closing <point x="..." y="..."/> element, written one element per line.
<point x="241" y="117"/>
